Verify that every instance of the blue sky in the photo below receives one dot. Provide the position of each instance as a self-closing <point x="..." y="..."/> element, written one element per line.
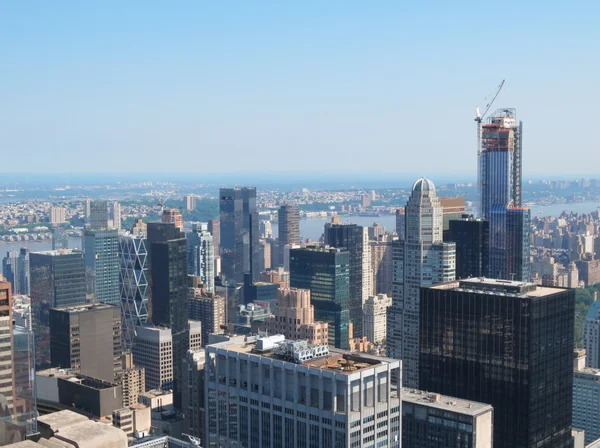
<point x="339" y="86"/>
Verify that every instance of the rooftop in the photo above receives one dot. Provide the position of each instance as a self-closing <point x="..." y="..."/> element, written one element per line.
<point x="299" y="352"/>
<point x="58" y="252"/>
<point x="510" y="288"/>
<point x="444" y="402"/>
<point x="85" y="307"/>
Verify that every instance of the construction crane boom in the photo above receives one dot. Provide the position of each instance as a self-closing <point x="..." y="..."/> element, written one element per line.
<point x="162" y="198"/>
<point x="479" y="120"/>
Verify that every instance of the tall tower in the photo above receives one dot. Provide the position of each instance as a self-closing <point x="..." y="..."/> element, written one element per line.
<point x="201" y="255"/>
<point x="168" y="299"/>
<point x="115" y="215"/>
<point x="98" y="214"/>
<point x="421" y="259"/>
<point x="289" y="227"/>
<point x="351" y="237"/>
<point x="239" y="233"/>
<point x="6" y="351"/>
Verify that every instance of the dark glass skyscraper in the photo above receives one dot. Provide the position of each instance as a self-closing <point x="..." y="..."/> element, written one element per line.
<point x="509" y="344"/>
<point x="289" y="227"/>
<point x="326" y="273"/>
<point x="15" y="268"/>
<point x="350" y="237"/>
<point x="168" y="298"/>
<point x="239" y="233"/>
<point x="57" y="279"/>
<point x="509" y="243"/>
<point x="98" y="217"/>
<point x="471" y="236"/>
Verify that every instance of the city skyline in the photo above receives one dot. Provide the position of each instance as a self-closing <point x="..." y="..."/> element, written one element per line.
<point x="317" y="80"/>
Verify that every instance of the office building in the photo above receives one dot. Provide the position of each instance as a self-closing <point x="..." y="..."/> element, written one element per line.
<point x="431" y="420"/>
<point x="133" y="282"/>
<point x="15" y="268"/>
<point x="91" y="396"/>
<point x="214" y="227"/>
<point x="115" y="215"/>
<point x="190" y="202"/>
<point x="133" y="420"/>
<point x="274" y="392"/>
<point x="375" y="317"/>
<point x="265" y="228"/>
<point x="153" y="351"/>
<point x="239" y="234"/>
<point x="133" y="380"/>
<point x="351" y="238"/>
<point x="420" y="259"/>
<point x="326" y="273"/>
<point x="102" y="267"/>
<point x="172" y="216"/>
<point x="7" y="390"/>
<point x="295" y="318"/>
<point x="452" y="209"/>
<point x="471" y="236"/>
<point x="60" y="238"/>
<point x="279" y="276"/>
<point x="86" y="339"/>
<point x="24" y="409"/>
<point x="381" y="265"/>
<point x="288" y="218"/>
<point x="58" y="215"/>
<point x="509" y="344"/>
<point x="509" y="245"/>
<point x="193" y="397"/>
<point x="201" y="256"/>
<point x="98" y="215"/>
<point x="591" y="335"/>
<point x="209" y="310"/>
<point x="400" y="223"/>
<point x="57" y="279"/>
<point x="168" y="299"/>
<point x="586" y="397"/>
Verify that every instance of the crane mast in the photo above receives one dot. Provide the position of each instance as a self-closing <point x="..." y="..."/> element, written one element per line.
<point x="479" y="120"/>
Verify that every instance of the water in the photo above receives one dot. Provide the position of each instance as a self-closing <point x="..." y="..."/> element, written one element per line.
<point x="35" y="246"/>
<point x="557" y="209"/>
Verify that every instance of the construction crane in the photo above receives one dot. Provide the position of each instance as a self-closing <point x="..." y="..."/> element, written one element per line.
<point x="488" y="100"/>
<point x="162" y="198"/>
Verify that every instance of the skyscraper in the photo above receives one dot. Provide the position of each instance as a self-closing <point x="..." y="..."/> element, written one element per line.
<point x="214" y="227"/>
<point x="87" y="340"/>
<point x="375" y="317"/>
<point x="173" y="216"/>
<point x="509" y="344"/>
<point x="201" y="255"/>
<point x="351" y="237"/>
<point x="7" y="391"/>
<point x="289" y="227"/>
<point x="591" y="335"/>
<point x="57" y="279"/>
<point x="239" y="233"/>
<point x="168" y="299"/>
<point x="326" y="273"/>
<point x="500" y="162"/>
<point x="115" y="215"/>
<point x="471" y="236"/>
<point x="15" y="268"/>
<point x="381" y="265"/>
<point x="509" y="247"/>
<point x="58" y="215"/>
<point x="101" y="248"/>
<point x="500" y="177"/>
<point x="586" y="399"/>
<point x="190" y="202"/>
<point x="418" y="260"/>
<point x="133" y="282"/>
<point x="98" y="214"/>
<point x="208" y="310"/>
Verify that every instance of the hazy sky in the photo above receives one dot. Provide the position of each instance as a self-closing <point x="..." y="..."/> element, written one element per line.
<point x="324" y="86"/>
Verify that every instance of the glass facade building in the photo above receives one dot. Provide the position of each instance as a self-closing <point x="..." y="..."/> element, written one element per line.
<point x="471" y="236"/>
<point x="289" y="227"/>
<point x="15" y="268"/>
<point x="349" y="237"/>
<point x="168" y="299"/>
<point x="201" y="255"/>
<point x="509" y="344"/>
<point x="57" y="279"/>
<point x="509" y="247"/>
<point x="133" y="282"/>
<point x="240" y="250"/>
<point x="326" y="273"/>
<point x="101" y="248"/>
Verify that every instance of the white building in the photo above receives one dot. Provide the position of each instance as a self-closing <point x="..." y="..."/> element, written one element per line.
<point x="421" y="259"/>
<point x="375" y="317"/>
<point x="115" y="215"/>
<point x="58" y="215"/>
<point x="271" y="392"/>
<point x="586" y="398"/>
<point x="367" y="277"/>
<point x="201" y="255"/>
